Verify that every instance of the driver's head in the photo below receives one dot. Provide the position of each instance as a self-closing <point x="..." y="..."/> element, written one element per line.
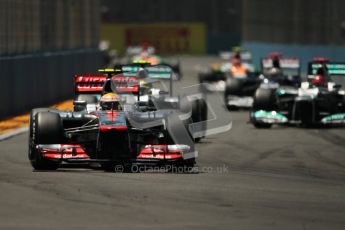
<point x="322" y="71"/>
<point x="320" y="77"/>
<point x="145" y="46"/>
<point x="110" y="101"/>
<point x="276" y="56"/>
<point x="319" y="80"/>
<point x="236" y="59"/>
<point x="276" y="62"/>
<point x="274" y="73"/>
<point x="145" y="55"/>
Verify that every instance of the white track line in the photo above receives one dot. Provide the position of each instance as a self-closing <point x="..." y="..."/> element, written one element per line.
<point x="13" y="133"/>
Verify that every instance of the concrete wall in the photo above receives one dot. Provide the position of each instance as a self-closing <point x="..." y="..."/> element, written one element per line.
<point x="29" y="81"/>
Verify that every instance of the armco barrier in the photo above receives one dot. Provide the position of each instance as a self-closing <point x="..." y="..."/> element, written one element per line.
<point x="29" y="81"/>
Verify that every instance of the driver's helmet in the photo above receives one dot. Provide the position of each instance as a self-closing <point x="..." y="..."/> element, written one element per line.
<point x="145" y="87"/>
<point x="319" y="80"/>
<point x="274" y="71"/>
<point x="110" y="101"/>
<point x="145" y="46"/>
<point x="320" y="77"/>
<point x="275" y="74"/>
<point x="236" y="59"/>
<point x="145" y="55"/>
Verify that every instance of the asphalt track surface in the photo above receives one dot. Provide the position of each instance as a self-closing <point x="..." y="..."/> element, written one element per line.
<point x="282" y="178"/>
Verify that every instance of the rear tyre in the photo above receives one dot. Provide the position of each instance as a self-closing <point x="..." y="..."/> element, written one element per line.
<point x="206" y="77"/>
<point x="199" y="113"/>
<point x="233" y="87"/>
<point x="177" y="69"/>
<point x="45" y="128"/>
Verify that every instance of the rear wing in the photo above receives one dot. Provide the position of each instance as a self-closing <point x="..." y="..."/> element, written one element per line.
<point x="152" y="73"/>
<point x="126" y="77"/>
<point x="333" y="68"/>
<point x="94" y="84"/>
<point x="86" y="83"/>
<point x="246" y="56"/>
<point x="149" y="72"/>
<point x="285" y="63"/>
<point x="135" y="50"/>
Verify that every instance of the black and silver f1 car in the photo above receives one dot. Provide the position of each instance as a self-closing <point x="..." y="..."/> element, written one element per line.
<point x="215" y="76"/>
<point x="146" y="54"/>
<point x="135" y="133"/>
<point x="239" y="91"/>
<point x="317" y="101"/>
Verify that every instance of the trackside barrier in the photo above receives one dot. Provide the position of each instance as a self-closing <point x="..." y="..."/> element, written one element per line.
<point x="29" y="81"/>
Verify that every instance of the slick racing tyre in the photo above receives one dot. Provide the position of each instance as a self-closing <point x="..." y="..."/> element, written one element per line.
<point x="45" y="128"/>
<point x="88" y="98"/>
<point x="233" y="87"/>
<point x="261" y="125"/>
<point x="264" y="99"/>
<point x="32" y="123"/>
<point x="199" y="113"/>
<point x="177" y="69"/>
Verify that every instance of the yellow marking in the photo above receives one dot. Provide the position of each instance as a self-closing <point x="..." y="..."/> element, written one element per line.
<point x="141" y="62"/>
<point x="109" y="70"/>
<point x="21" y="121"/>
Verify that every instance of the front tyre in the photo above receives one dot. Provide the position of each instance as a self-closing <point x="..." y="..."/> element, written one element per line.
<point x="264" y="99"/>
<point x="45" y="128"/>
<point x="262" y="125"/>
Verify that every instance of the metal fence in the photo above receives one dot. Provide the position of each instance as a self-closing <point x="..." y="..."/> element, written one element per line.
<point x="28" y="26"/>
<point x="43" y="44"/>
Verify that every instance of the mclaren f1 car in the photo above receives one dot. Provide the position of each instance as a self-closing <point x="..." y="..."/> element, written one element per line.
<point x="126" y="133"/>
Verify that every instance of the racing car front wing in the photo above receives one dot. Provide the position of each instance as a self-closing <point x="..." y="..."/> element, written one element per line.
<point x="268" y="117"/>
<point x="239" y="102"/>
<point x="149" y="153"/>
<point x="274" y="117"/>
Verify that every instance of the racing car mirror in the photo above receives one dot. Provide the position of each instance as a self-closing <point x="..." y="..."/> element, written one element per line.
<point x="337" y="86"/>
<point x="79" y="105"/>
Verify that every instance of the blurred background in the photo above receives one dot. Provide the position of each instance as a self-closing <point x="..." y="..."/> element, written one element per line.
<point x="43" y="43"/>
